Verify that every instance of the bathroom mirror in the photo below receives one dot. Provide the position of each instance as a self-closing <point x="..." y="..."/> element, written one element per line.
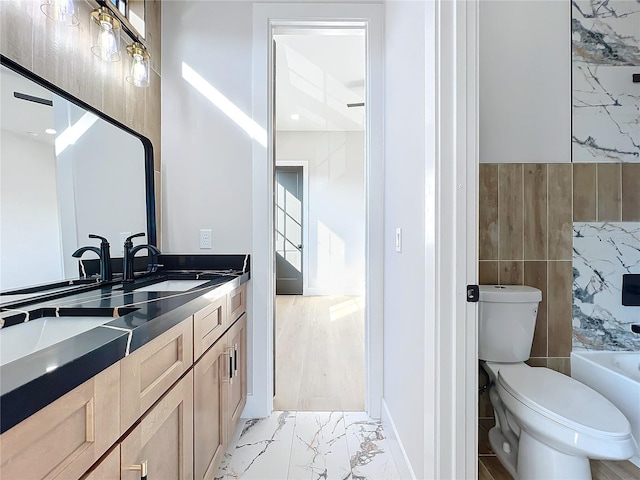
<point x="66" y="170"/>
<point x="131" y="12"/>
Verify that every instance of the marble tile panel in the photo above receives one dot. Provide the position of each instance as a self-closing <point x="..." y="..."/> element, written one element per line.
<point x="370" y="458"/>
<point x="262" y="451"/>
<point x="584" y="193"/>
<point x="606" y="32"/>
<point x="603" y="252"/>
<point x="488" y="214"/>
<point x="609" y="192"/>
<point x="319" y="448"/>
<point x="631" y="192"/>
<point x="560" y="226"/>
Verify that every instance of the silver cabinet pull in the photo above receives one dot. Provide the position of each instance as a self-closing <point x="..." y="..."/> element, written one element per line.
<point x="235" y="360"/>
<point x="230" y="365"/>
<point x="142" y="468"/>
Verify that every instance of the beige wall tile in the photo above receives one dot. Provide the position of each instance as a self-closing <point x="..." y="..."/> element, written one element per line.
<point x="584" y="192"/>
<point x="488" y="211"/>
<point x="562" y="365"/>
<point x="87" y="68"/>
<point x="511" y="273"/>
<point x="559" y="300"/>
<point x="537" y="362"/>
<point x="535" y="211"/>
<point x="631" y="192"/>
<point x="50" y="44"/>
<point x="609" y="192"/>
<point x="154" y="23"/>
<point x="152" y="115"/>
<point x="16" y="31"/>
<point x="560" y="227"/>
<point x="488" y="272"/>
<point x="535" y="275"/>
<point x="510" y="211"/>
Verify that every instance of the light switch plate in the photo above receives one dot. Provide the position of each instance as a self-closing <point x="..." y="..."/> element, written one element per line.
<point x="399" y="240"/>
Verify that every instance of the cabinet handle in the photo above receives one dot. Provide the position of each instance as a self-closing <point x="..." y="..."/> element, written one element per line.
<point x="230" y="365"/>
<point x="235" y="360"/>
<point x="142" y="468"/>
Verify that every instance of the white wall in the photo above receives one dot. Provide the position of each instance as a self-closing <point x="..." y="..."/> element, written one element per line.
<point x="336" y="221"/>
<point x="29" y="220"/>
<point x="404" y="273"/>
<point x="525" y="81"/>
<point x="206" y="157"/>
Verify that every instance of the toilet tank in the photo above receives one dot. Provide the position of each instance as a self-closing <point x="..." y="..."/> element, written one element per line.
<point x="506" y="322"/>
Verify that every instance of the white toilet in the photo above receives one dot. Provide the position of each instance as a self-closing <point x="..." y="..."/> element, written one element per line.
<point x="548" y="425"/>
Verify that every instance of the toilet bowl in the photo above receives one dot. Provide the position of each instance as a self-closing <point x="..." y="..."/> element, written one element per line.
<point x="548" y="425"/>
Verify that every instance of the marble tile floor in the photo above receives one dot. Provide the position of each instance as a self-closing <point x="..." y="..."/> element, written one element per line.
<point x="309" y="445"/>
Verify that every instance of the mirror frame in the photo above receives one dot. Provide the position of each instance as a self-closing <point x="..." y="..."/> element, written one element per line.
<point x="151" y="233"/>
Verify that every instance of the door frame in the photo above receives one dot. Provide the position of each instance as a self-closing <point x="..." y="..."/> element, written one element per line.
<point x="305" y="216"/>
<point x="267" y="17"/>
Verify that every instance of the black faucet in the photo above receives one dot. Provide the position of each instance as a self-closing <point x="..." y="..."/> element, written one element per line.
<point x="130" y="251"/>
<point x="106" y="274"/>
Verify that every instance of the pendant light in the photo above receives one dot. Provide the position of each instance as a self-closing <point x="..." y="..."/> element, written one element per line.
<point x="60" y="11"/>
<point x="139" y="71"/>
<point x="106" y="35"/>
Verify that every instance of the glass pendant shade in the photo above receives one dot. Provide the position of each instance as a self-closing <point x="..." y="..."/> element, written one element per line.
<point x="139" y="70"/>
<point x="105" y="35"/>
<point x="60" y="11"/>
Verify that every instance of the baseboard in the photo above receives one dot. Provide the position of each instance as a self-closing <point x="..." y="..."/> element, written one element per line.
<point x="395" y="445"/>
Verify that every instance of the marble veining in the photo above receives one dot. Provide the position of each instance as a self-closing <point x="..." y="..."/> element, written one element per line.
<point x="606" y="104"/>
<point x="602" y="253"/>
<point x="310" y="446"/>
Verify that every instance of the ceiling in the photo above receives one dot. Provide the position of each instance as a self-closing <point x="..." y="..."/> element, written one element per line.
<point x="317" y="73"/>
<point x="22" y="117"/>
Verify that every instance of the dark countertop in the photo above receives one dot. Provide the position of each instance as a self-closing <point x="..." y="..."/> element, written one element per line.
<point x="34" y="381"/>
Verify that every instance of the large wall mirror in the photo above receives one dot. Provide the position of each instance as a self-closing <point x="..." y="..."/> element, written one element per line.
<point x="66" y="170"/>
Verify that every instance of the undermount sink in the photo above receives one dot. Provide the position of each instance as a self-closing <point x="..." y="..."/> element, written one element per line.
<point x="25" y="338"/>
<point x="172" y="286"/>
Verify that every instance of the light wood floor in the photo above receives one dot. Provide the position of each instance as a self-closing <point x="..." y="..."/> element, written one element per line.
<point x="319" y="353"/>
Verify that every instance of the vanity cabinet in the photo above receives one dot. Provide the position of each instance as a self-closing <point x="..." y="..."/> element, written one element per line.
<point x="208" y="326"/>
<point x="64" y="439"/>
<point x="237" y="344"/>
<point x="163" y="440"/>
<point x="149" y="371"/>
<point x="108" y="468"/>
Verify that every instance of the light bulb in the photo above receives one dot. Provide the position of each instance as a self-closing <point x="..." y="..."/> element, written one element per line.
<point x="61" y="11"/>
<point x="107" y="41"/>
<point x="139" y="72"/>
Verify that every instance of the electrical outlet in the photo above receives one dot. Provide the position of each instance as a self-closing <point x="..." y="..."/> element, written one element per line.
<point x="206" y="238"/>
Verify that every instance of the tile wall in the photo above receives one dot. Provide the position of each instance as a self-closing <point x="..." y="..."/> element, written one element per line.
<point x="526" y="234"/>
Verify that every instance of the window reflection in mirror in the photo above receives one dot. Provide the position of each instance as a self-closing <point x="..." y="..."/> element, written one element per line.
<point x="64" y="173"/>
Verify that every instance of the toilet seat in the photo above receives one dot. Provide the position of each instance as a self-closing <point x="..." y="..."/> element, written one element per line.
<point x="565" y="401"/>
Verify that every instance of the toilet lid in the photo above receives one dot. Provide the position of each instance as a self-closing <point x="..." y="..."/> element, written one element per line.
<point x="564" y="400"/>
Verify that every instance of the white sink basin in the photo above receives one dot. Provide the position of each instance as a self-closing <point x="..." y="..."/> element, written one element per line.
<point x="172" y="286"/>
<point x="26" y="338"/>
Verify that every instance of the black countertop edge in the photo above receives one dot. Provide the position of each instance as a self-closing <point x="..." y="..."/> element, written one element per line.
<point x="27" y="386"/>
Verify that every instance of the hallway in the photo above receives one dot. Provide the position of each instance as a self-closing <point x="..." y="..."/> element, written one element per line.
<point x="319" y="353"/>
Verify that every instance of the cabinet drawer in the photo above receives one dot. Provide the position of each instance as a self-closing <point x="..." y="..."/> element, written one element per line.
<point x="237" y="303"/>
<point x="149" y="371"/>
<point x="163" y="440"/>
<point x="108" y="468"/>
<point x="66" y="437"/>
<point x="208" y="325"/>
<point x="236" y="341"/>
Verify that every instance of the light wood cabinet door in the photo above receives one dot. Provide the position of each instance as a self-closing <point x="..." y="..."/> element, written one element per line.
<point x="236" y="340"/>
<point x="64" y="439"/>
<point x="108" y="468"/>
<point x="237" y="303"/>
<point x="163" y="439"/>
<point x="149" y="371"/>
<point x="211" y="391"/>
<point x="208" y="326"/>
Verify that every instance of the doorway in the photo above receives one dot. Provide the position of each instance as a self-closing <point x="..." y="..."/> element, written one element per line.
<point x="319" y="218"/>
